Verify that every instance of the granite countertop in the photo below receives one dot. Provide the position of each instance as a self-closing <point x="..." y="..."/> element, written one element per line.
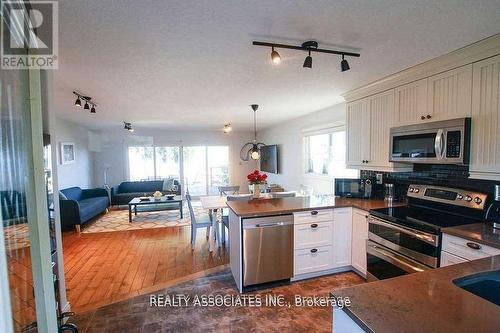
<point x="483" y="233"/>
<point x="289" y="205"/>
<point x="424" y="302"/>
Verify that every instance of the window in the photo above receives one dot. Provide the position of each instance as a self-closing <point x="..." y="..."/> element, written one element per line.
<point x="141" y="163"/>
<point x="325" y="154"/>
<point x="149" y="163"/>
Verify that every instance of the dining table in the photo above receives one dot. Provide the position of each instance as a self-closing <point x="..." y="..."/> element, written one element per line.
<point x="214" y="203"/>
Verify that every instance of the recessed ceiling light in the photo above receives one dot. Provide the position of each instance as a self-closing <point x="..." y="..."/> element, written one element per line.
<point x="227" y="128"/>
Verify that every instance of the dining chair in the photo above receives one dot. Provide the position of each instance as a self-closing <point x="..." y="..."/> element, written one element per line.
<point x="197" y="222"/>
<point x="283" y="194"/>
<point x="225" y="218"/>
<point x="229" y="189"/>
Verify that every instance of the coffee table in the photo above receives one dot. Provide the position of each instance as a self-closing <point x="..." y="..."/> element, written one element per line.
<point x="162" y="204"/>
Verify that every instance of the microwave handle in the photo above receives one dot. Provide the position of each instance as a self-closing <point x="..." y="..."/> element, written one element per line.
<point x="439" y="144"/>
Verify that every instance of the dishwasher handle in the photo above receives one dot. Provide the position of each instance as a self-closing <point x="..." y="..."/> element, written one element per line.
<point x="268" y="225"/>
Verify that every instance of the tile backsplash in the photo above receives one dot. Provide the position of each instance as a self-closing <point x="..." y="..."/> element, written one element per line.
<point x="442" y="175"/>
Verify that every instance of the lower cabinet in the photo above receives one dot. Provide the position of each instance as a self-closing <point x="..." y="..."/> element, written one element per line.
<point x="359" y="237"/>
<point x="456" y="250"/>
<point x="329" y="241"/>
<point x="342" y="231"/>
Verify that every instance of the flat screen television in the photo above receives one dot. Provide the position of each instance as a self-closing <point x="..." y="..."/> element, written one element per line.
<point x="269" y="159"/>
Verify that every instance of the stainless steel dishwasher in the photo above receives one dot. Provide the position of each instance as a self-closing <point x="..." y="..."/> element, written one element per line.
<point x="267" y="249"/>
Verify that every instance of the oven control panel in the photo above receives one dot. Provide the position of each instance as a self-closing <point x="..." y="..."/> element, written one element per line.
<point x="448" y="195"/>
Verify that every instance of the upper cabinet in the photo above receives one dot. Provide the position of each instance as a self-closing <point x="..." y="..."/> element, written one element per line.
<point x="449" y="94"/>
<point x="485" y="138"/>
<point x="411" y="103"/>
<point x="369" y="121"/>
<point x="358" y="132"/>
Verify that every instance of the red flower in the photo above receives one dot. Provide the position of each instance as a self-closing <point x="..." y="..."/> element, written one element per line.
<point x="256" y="177"/>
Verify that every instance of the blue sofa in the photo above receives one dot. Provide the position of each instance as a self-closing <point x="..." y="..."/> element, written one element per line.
<point x="79" y="206"/>
<point x="126" y="191"/>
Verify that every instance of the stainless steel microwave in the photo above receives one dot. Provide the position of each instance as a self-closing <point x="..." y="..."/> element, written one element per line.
<point x="439" y="142"/>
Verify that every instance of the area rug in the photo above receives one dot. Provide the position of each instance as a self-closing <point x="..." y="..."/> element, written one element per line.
<point x="16" y="236"/>
<point x="117" y="220"/>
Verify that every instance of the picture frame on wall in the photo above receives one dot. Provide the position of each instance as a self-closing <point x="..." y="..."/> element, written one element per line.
<point x="67" y="152"/>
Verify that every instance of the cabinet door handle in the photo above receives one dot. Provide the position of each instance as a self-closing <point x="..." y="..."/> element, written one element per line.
<point x="314" y="212"/>
<point x="473" y="246"/>
<point x="422" y="117"/>
<point x="429" y="116"/>
<point x="314" y="225"/>
<point x="314" y="250"/>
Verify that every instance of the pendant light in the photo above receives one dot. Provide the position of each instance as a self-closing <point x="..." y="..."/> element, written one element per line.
<point x="251" y="150"/>
<point x="78" y="102"/>
<point x="308" y="62"/>
<point x="275" y="56"/>
<point x="344" y="65"/>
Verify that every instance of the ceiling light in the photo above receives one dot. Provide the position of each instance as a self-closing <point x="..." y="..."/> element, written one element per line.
<point x="251" y="150"/>
<point x="227" y="128"/>
<point x="86" y="107"/>
<point x="275" y="56"/>
<point x="344" y="65"/>
<point x="78" y="102"/>
<point x="308" y="63"/>
<point x="128" y="127"/>
<point x="88" y="102"/>
<point x="310" y="46"/>
<point x="93" y="109"/>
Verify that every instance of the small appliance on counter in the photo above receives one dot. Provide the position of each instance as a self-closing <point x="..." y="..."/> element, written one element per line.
<point x="353" y="188"/>
<point x="493" y="212"/>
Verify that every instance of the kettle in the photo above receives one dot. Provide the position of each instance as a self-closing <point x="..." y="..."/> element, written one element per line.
<point x="493" y="212"/>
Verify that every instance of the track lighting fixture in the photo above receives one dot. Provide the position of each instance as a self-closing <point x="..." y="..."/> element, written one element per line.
<point x="275" y="56"/>
<point x="227" y="128"/>
<point x="88" y="102"/>
<point x="309" y="46"/>
<point x="128" y="127"/>
<point x="308" y="62"/>
<point x="344" y="65"/>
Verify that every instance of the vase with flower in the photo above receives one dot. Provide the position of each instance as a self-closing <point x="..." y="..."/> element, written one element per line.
<point x="256" y="178"/>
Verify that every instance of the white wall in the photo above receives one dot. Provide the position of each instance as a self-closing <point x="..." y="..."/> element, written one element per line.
<point x="288" y="136"/>
<point x="111" y="150"/>
<point x="79" y="173"/>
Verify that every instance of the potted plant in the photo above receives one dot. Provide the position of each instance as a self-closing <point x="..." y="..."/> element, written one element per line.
<point x="256" y="178"/>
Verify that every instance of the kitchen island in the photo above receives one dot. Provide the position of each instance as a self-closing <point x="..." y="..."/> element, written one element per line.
<point x="428" y="301"/>
<point x="297" y="238"/>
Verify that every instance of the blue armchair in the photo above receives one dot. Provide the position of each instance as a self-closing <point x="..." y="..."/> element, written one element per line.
<point x="79" y="206"/>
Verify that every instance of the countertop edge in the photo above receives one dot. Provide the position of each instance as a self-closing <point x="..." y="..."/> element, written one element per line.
<point x="351" y="315"/>
<point x="457" y="232"/>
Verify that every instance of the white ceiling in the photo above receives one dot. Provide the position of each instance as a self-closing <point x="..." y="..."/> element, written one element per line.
<point x="183" y="63"/>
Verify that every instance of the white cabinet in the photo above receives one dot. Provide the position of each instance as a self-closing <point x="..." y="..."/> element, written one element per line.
<point x="410" y="103"/>
<point x="358" y="132"/>
<point x="485" y="138"/>
<point x="466" y="249"/>
<point x="359" y="237"/>
<point x="342" y="233"/>
<point x="313" y="241"/>
<point x="450" y="93"/>
<point x="369" y="121"/>
<point x="448" y="259"/>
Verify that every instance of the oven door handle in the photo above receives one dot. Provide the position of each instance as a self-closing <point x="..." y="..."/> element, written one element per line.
<point x="394" y="258"/>
<point x="428" y="238"/>
<point x="438" y="144"/>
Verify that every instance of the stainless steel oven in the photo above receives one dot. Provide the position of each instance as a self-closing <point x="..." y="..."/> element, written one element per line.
<point x="383" y="263"/>
<point x="394" y="250"/>
<point x="440" y="142"/>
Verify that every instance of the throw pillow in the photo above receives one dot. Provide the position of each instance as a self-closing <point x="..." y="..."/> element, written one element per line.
<point x="168" y="184"/>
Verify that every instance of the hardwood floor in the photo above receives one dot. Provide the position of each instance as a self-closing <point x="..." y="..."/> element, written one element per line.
<point x="103" y="268"/>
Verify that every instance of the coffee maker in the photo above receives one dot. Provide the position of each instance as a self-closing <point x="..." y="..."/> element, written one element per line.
<point x="493" y="212"/>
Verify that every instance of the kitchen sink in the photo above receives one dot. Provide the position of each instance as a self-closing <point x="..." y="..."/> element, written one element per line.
<point x="485" y="285"/>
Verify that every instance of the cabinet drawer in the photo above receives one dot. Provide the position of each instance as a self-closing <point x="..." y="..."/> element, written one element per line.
<point x="467" y="249"/>
<point x="313" y="234"/>
<point x="312" y="216"/>
<point x="448" y="259"/>
<point x="313" y="260"/>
